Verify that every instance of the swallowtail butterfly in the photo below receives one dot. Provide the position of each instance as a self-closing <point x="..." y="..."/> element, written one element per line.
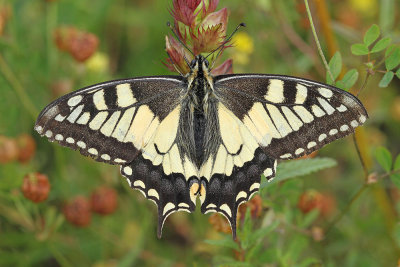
<point x="177" y="138"/>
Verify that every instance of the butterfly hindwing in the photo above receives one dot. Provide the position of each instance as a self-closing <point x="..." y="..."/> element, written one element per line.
<point x="171" y="192"/>
<point x="290" y="117"/>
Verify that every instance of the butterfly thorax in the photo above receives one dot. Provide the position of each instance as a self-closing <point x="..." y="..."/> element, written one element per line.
<point x="199" y="121"/>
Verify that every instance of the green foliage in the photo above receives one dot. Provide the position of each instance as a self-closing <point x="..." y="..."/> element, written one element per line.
<point x="335" y="67"/>
<point x="386" y="79"/>
<point x="359" y="49"/>
<point x="349" y="79"/>
<point x="396" y="176"/>
<point x="393" y="59"/>
<point x="384" y="158"/>
<point x="371" y="35"/>
<point x="381" y="45"/>
<point x="227" y="242"/>
<point x="291" y="169"/>
<point x="392" y="53"/>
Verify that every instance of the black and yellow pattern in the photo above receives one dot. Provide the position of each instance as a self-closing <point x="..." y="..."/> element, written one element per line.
<point x="178" y="138"/>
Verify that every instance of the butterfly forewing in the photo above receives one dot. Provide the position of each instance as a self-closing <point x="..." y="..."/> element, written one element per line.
<point x="110" y="121"/>
<point x="290" y="117"/>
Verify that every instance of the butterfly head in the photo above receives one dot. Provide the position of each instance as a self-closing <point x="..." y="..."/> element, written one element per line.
<point x="199" y="64"/>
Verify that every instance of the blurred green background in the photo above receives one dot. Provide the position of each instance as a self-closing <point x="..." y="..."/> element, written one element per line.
<point x="353" y="221"/>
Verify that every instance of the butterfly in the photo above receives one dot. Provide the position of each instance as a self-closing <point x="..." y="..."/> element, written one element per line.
<point x="179" y="138"/>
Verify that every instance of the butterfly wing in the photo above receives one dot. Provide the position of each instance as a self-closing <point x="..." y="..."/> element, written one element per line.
<point x="290" y="117"/>
<point x="232" y="174"/>
<point x="263" y="118"/>
<point x="132" y="123"/>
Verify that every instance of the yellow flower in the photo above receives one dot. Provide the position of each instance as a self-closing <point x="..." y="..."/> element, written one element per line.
<point x="99" y="63"/>
<point x="243" y="43"/>
<point x="366" y="7"/>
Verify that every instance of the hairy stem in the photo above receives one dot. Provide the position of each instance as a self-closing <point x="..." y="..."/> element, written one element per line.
<point x="321" y="53"/>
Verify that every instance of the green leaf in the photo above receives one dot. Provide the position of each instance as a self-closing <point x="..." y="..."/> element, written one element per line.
<point x="359" y="49"/>
<point x="381" y="44"/>
<point x="259" y="234"/>
<point x="384" y="158"/>
<point x="335" y="66"/>
<point x="393" y="60"/>
<point x="227" y="242"/>
<point x="296" y="246"/>
<point x="398" y="73"/>
<point x="246" y="230"/>
<point x="300" y="167"/>
<point x="396" y="177"/>
<point x="371" y="35"/>
<point x="389" y="50"/>
<point x="386" y="79"/>
<point x="309" y="218"/>
<point x="349" y="79"/>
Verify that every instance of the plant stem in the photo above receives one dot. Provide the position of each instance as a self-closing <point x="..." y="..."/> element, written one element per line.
<point x="346" y="209"/>
<point x="19" y="89"/>
<point x="360" y="157"/>
<point x="326" y="28"/>
<point x="388" y="174"/>
<point x="321" y="53"/>
<point x="364" y="83"/>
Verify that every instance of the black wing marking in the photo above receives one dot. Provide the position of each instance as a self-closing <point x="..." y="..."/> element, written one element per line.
<point x="290" y="117"/>
<point x="111" y="121"/>
<point x="171" y="192"/>
<point x="224" y="193"/>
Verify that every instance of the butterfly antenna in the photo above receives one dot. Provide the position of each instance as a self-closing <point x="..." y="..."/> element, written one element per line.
<point x="182" y="43"/>
<point x="221" y="47"/>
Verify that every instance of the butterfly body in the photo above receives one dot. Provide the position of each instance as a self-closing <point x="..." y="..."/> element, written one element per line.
<point x="179" y="138"/>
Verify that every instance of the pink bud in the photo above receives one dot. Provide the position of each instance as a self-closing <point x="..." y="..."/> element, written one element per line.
<point x="224" y="68"/>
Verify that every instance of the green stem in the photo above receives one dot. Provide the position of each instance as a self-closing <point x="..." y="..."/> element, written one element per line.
<point x="388" y="174"/>
<point x="19" y="89"/>
<point x="343" y="212"/>
<point x="364" y="83"/>
<point x="321" y="53"/>
<point x="360" y="157"/>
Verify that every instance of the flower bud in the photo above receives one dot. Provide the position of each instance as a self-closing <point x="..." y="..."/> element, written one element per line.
<point x="26" y="147"/>
<point x="77" y="211"/>
<point x="200" y="29"/>
<point x="36" y="187"/>
<point x="312" y="199"/>
<point x="80" y="44"/>
<point x="8" y="149"/>
<point x="104" y="200"/>
<point x="219" y="223"/>
<point x="255" y="206"/>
